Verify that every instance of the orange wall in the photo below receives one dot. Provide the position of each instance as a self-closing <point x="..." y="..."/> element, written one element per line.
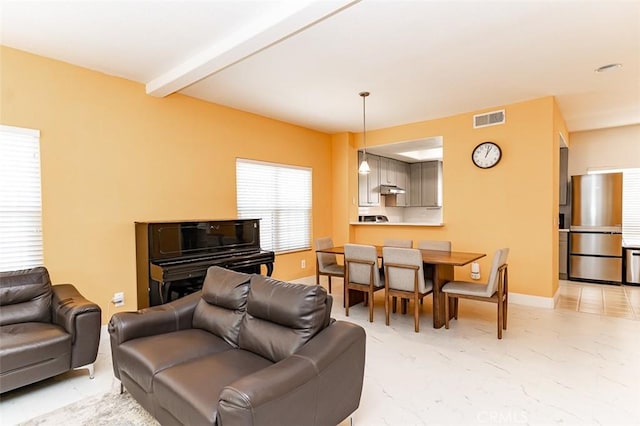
<point x="513" y="205"/>
<point x="112" y="155"/>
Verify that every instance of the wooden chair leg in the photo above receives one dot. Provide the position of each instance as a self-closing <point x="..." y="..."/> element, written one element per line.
<point x="386" y="304"/>
<point x="395" y="299"/>
<point x="446" y="310"/>
<point x="346" y="299"/>
<point x="416" y="315"/>
<point x="500" y="308"/>
<point x="403" y="304"/>
<point x="370" y="305"/>
<point x="455" y="308"/>
<point x="504" y="314"/>
<point x="329" y="284"/>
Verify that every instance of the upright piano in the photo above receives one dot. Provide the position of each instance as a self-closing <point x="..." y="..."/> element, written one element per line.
<point x="172" y="254"/>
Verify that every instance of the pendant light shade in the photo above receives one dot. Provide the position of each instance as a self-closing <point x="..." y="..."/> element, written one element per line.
<point x="364" y="166"/>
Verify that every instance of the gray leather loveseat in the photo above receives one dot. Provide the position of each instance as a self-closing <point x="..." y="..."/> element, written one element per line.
<point x="45" y="329"/>
<point x="246" y="350"/>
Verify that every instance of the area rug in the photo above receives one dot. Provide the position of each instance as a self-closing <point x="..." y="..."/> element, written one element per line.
<point x="112" y="408"/>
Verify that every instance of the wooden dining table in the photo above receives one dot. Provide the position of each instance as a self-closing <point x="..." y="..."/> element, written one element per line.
<point x="443" y="261"/>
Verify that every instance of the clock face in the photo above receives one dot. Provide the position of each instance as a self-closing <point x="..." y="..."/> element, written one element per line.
<point x="486" y="155"/>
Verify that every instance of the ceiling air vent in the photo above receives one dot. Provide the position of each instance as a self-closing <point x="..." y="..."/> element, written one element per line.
<point x="488" y="119"/>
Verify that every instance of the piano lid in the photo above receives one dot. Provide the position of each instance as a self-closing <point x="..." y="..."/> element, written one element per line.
<point x="201" y="238"/>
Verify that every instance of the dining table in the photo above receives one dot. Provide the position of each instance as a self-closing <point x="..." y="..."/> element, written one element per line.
<point x="443" y="262"/>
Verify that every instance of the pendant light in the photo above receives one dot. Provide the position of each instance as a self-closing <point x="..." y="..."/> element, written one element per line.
<point x="364" y="166"/>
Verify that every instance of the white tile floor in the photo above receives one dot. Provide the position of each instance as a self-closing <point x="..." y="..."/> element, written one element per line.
<point x="574" y="365"/>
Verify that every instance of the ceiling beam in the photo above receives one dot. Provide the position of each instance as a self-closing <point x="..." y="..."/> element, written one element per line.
<point x="267" y="31"/>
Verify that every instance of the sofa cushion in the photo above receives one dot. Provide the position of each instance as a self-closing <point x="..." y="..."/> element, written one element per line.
<point x="31" y="343"/>
<point x="223" y="304"/>
<point x="25" y="296"/>
<point x="190" y="391"/>
<point x="281" y="317"/>
<point x="142" y="358"/>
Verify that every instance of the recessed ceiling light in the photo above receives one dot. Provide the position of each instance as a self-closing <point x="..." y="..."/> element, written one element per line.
<point x="608" y="67"/>
<point x="424" y="154"/>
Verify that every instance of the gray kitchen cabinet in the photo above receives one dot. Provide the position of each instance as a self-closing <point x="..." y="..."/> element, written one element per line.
<point x="415" y="185"/>
<point x="563" y="251"/>
<point x="425" y="179"/>
<point x="402" y="181"/>
<point x="431" y="171"/>
<point x="369" y="184"/>
<point x="564" y="175"/>
<point x="388" y="171"/>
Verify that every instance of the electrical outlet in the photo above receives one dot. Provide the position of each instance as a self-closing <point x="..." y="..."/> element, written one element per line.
<point x="118" y="299"/>
<point x="303" y="263"/>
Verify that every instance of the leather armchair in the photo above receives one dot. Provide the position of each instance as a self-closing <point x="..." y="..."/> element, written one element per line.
<point x="45" y="329"/>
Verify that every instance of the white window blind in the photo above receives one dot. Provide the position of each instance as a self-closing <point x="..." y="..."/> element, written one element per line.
<point x="279" y="195"/>
<point x="631" y="204"/>
<point x="20" y="201"/>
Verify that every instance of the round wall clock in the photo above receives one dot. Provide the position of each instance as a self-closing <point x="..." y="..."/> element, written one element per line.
<point x="486" y="155"/>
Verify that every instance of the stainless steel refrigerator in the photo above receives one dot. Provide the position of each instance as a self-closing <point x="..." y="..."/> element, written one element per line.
<point x="595" y="238"/>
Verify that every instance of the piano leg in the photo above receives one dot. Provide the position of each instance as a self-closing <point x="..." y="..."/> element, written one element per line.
<point x="155" y="294"/>
<point x="164" y="292"/>
<point x="269" y="268"/>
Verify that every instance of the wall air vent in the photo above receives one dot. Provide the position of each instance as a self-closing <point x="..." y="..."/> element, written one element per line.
<point x="488" y="119"/>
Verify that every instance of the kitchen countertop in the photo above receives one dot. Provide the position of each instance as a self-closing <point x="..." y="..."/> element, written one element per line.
<point x="396" y="224"/>
<point x="631" y="243"/>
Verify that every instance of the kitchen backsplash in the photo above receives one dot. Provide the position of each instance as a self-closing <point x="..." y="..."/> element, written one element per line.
<point x="430" y="215"/>
<point x="423" y="214"/>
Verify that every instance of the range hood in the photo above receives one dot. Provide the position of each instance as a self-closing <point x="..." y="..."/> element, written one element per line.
<point x="390" y="190"/>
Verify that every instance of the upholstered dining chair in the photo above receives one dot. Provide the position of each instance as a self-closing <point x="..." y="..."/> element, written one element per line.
<point x="495" y="291"/>
<point x="404" y="278"/>
<point x="397" y="242"/>
<point x="400" y="243"/>
<point x="432" y="245"/>
<point x="326" y="263"/>
<point x="361" y="273"/>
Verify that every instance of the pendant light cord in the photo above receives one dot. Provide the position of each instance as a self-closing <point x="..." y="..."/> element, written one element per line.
<point x="364" y="122"/>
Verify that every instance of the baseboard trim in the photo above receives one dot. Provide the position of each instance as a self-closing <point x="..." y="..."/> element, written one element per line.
<point x="535" y="301"/>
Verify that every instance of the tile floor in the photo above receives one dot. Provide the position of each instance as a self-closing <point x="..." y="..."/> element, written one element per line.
<point x="578" y="364"/>
<point x="610" y="300"/>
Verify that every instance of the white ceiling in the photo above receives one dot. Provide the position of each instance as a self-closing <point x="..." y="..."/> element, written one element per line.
<point x="305" y="62"/>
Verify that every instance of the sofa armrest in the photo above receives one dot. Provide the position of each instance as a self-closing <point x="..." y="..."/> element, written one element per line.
<point x="79" y="317"/>
<point x="173" y="316"/>
<point x="320" y="384"/>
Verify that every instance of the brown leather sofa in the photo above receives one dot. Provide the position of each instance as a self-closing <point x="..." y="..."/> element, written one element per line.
<point x="45" y="330"/>
<point x="245" y="350"/>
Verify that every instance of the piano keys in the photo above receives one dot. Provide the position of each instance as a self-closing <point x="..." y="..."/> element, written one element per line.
<point x="175" y="255"/>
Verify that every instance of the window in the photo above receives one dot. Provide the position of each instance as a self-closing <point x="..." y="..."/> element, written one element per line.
<point x="20" y="203"/>
<point x="280" y="195"/>
<point x="631" y="204"/>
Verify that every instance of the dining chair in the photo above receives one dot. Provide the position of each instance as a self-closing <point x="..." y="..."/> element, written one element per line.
<point x="397" y="242"/>
<point x="429" y="270"/>
<point x="434" y="245"/>
<point x="404" y="278"/>
<point x="400" y="243"/>
<point x="326" y="263"/>
<point x="361" y="273"/>
<point x="495" y="291"/>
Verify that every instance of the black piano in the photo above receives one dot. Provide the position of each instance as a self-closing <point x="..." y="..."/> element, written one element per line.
<point x="174" y="256"/>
